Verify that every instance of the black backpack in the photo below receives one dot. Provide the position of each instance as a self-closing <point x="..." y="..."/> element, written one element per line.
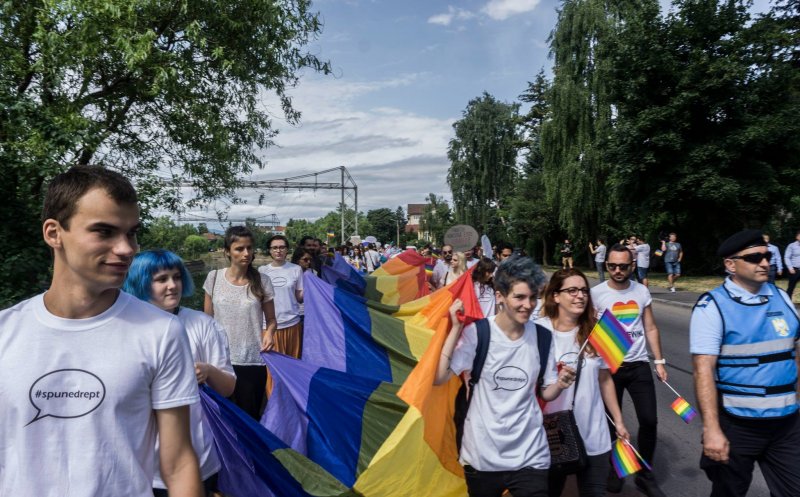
<point x="543" y="339"/>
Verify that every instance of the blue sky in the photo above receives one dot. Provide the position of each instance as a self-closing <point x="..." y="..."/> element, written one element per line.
<point x="404" y="71"/>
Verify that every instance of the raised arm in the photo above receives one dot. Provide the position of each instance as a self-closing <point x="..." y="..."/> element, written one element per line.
<point x="443" y="372"/>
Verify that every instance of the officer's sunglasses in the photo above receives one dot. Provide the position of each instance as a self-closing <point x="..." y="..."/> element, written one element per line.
<point x="754" y="258"/>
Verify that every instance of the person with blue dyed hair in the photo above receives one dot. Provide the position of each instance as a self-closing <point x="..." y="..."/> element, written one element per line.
<point x="160" y="277"/>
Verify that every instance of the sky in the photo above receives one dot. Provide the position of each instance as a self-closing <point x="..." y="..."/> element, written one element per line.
<point x="403" y="73"/>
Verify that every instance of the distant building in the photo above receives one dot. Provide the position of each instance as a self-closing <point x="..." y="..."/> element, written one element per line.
<point x="415" y="212"/>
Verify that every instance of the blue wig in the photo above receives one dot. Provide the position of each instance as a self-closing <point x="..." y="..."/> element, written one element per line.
<point x="146" y="264"/>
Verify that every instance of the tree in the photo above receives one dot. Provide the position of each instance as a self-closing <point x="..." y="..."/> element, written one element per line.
<point x="400" y="217"/>
<point x="436" y="219"/>
<point x="483" y="163"/>
<point x="383" y="223"/>
<point x="163" y="233"/>
<point x="574" y="169"/>
<point x="163" y="91"/>
<point x="194" y="246"/>
<point x="202" y="228"/>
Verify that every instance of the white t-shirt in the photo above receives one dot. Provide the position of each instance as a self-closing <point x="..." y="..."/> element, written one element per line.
<point x="372" y="259"/>
<point x="503" y="429"/>
<point x="286" y="280"/>
<point x="439" y="270"/>
<point x="643" y="255"/>
<point x="209" y="344"/>
<point x="76" y="416"/>
<point x="589" y="409"/>
<point x="627" y="306"/>
<point x="600" y="255"/>
<point x="240" y="315"/>
<point x="486" y="299"/>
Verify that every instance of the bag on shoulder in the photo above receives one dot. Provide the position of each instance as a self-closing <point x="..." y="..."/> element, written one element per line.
<point x="464" y="395"/>
<point x="567" y="452"/>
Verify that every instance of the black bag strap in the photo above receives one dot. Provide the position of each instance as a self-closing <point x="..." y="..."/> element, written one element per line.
<point x="577" y="378"/>
<point x="543" y="339"/>
<point x="481" y="351"/>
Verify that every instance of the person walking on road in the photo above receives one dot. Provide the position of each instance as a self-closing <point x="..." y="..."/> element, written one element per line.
<point x="775" y="265"/>
<point x="630" y="303"/>
<point x="569" y="314"/>
<point x="566" y="254"/>
<point x="744" y="343"/>
<point x="599" y="253"/>
<point x="673" y="255"/>
<point x="791" y="256"/>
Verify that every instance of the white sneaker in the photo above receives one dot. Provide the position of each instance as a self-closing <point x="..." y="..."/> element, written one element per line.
<point x="672" y="289"/>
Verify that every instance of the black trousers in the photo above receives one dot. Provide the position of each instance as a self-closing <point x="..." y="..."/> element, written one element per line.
<point x="793" y="279"/>
<point x="525" y="482"/>
<point x="637" y="379"/>
<point x="250" y="390"/>
<point x="774" y="444"/>
<point x="591" y="479"/>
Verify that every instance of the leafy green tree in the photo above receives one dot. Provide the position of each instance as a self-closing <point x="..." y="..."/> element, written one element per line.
<point x="164" y="233"/>
<point x="383" y="224"/>
<point x="163" y="91"/>
<point x="483" y="163"/>
<point x="194" y="246"/>
<point x="202" y="228"/>
<point x="437" y="218"/>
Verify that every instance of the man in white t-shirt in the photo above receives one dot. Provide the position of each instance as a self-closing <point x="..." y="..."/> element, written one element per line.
<point x="630" y="302"/>
<point x="96" y="373"/>
<point x="441" y="266"/>
<point x="287" y="281"/>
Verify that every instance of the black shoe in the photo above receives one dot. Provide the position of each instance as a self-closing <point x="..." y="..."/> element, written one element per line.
<point x="647" y="484"/>
<point x="614" y="483"/>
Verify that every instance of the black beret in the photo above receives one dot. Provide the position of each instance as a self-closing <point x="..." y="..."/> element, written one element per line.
<point x="740" y="241"/>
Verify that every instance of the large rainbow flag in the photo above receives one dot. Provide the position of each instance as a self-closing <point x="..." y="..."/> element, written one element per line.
<point x="362" y="404"/>
<point x="399" y="280"/>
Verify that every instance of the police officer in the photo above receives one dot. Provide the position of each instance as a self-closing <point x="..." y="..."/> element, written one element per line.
<point x="744" y="341"/>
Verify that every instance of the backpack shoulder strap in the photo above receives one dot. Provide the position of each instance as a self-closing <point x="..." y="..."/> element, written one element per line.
<point x="481" y="350"/>
<point x="543" y="340"/>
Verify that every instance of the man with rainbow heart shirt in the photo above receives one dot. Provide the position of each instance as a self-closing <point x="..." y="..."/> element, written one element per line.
<point x="630" y="302"/>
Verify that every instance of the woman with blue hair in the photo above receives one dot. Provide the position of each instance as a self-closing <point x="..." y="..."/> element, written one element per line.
<point x="159" y="277"/>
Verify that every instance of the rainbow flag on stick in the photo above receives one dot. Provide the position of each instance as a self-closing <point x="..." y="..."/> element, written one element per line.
<point x="684" y="410"/>
<point x="625" y="459"/>
<point x="610" y="340"/>
<point x="681" y="407"/>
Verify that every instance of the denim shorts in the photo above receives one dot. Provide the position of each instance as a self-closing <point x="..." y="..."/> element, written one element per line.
<point x="642" y="272"/>
<point x="673" y="267"/>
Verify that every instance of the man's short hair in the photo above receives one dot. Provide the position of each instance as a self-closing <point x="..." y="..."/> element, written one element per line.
<point x="68" y="187"/>
<point x="303" y="240"/>
<point x="618" y="247"/>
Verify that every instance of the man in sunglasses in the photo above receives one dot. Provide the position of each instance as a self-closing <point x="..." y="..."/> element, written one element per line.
<point x="630" y="303"/>
<point x="744" y="343"/>
<point x="440" y="268"/>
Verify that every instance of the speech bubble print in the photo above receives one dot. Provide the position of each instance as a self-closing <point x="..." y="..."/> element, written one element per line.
<point x="510" y="378"/>
<point x="66" y="393"/>
<point x="570" y="359"/>
<point x="278" y="281"/>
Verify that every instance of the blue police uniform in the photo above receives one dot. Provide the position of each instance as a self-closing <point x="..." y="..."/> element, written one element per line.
<point x="754" y="337"/>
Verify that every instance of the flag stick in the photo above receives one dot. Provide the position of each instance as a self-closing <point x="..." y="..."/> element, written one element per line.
<point x="580" y="351"/>
<point x="670" y="387"/>
<point x="630" y="444"/>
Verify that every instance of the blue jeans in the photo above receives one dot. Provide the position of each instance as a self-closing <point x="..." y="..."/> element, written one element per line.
<point x="601" y="270"/>
<point x="673" y="267"/>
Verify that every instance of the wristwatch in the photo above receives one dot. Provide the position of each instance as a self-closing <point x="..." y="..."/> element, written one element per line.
<point x="659" y="361"/>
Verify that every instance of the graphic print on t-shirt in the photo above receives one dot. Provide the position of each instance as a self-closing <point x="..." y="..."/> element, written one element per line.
<point x="625" y="312"/>
<point x="278" y="281"/>
<point x="510" y="378"/>
<point x="66" y="393"/>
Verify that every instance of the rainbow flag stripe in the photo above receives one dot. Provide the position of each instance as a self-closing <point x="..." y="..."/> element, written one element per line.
<point x="624" y="459"/>
<point x="610" y="340"/>
<point x="684" y="410"/>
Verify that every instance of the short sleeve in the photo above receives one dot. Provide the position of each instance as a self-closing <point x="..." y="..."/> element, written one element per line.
<point x="266" y="284"/>
<point x="464" y="353"/>
<point x="217" y="350"/>
<point x="174" y="383"/>
<point x="551" y="373"/>
<point x="298" y="278"/>
<point x="705" y="328"/>
<point x="208" y="285"/>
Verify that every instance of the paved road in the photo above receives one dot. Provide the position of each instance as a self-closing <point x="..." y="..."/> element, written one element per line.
<point x="678" y="451"/>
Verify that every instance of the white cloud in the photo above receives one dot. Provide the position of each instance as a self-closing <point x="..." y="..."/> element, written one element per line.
<point x="500" y="10"/>
<point x="452" y="14"/>
<point x="395" y="156"/>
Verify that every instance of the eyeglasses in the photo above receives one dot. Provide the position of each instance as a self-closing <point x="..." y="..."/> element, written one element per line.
<point x="573" y="291"/>
<point x="753" y="258"/>
<point x="282" y="247"/>
<point x="622" y="267"/>
<point x="447" y="252"/>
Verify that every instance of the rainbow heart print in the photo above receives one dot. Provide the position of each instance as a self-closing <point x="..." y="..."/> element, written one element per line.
<point x="625" y="312"/>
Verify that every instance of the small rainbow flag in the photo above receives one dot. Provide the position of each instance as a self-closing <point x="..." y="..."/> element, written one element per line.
<point x="610" y="340"/>
<point x="625" y="459"/>
<point x="684" y="410"/>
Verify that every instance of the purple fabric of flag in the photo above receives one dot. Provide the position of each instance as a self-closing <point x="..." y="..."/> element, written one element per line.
<point x="323" y="336"/>
<point x="285" y="415"/>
